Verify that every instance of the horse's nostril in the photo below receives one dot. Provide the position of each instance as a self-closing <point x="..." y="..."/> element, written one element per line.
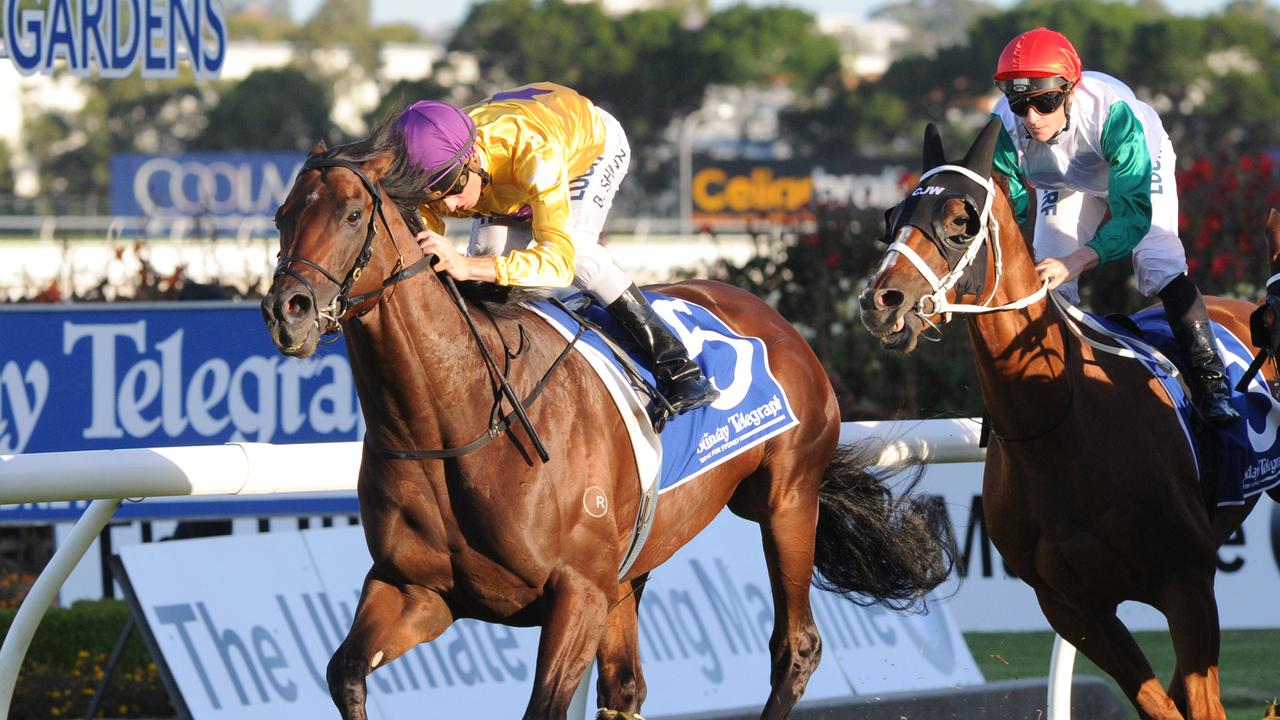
<point x="297" y="306"/>
<point x="889" y="298"/>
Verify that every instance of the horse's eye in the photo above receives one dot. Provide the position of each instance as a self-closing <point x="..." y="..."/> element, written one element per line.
<point x="353" y="217"/>
<point x="960" y="221"/>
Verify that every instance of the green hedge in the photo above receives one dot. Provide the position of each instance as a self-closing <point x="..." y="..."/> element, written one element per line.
<point x="86" y="625"/>
<point x="67" y="660"/>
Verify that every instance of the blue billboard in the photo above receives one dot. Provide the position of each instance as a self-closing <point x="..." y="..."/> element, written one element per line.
<point x="219" y="185"/>
<point x="106" y="376"/>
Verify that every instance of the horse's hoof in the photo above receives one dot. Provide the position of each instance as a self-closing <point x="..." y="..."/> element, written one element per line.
<point x="607" y="714"/>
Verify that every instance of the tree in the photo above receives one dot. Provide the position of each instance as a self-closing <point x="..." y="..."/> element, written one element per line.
<point x="344" y="23"/>
<point x="524" y="41"/>
<point x="401" y="94"/>
<point x="746" y="45"/>
<point x="275" y="109"/>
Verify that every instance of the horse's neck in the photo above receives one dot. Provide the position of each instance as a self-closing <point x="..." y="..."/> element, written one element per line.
<point x="1020" y="354"/>
<point x="418" y="372"/>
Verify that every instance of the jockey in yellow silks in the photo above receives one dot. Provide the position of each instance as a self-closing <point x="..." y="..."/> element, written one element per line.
<point x="537" y="169"/>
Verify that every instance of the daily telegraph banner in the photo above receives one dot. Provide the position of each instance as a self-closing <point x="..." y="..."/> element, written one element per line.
<point x="97" y="377"/>
<point x="788" y="188"/>
<point x="221" y="185"/>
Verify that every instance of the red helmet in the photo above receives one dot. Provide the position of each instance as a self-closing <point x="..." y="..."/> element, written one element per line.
<point x="1039" y="53"/>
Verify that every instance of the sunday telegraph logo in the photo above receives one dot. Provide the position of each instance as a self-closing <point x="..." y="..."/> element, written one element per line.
<point x="113" y="38"/>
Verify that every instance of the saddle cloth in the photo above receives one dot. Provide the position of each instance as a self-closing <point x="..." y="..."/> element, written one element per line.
<point x="752" y="406"/>
<point x="1247" y="453"/>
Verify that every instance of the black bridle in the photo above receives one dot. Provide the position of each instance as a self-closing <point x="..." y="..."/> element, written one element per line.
<point x="342" y="302"/>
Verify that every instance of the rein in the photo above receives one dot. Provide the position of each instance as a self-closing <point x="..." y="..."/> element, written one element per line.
<point x="342" y="302"/>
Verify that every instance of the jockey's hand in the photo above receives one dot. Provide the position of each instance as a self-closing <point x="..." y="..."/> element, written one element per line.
<point x="457" y="265"/>
<point x="1059" y="270"/>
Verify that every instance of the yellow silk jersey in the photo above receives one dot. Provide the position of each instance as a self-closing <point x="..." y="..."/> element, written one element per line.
<point x="532" y="141"/>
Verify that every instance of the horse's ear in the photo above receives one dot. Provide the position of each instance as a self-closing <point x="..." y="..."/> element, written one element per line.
<point x="318" y="148"/>
<point x="978" y="159"/>
<point x="933" y="154"/>
<point x="1273" y="236"/>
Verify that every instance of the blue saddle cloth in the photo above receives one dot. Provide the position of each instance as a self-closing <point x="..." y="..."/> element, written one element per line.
<point x="1247" y="452"/>
<point x="752" y="406"/>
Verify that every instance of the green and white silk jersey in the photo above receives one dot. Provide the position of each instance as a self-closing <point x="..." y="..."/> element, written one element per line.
<point x="1112" y="155"/>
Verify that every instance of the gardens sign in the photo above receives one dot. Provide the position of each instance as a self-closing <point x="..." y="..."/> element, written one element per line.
<point x="112" y="38"/>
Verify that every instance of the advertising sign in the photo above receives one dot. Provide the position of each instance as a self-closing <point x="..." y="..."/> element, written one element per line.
<point x="787" y="188"/>
<point x="1248" y="578"/>
<point x="223" y="186"/>
<point x="246" y="625"/>
<point x="115" y="38"/>
<point x="101" y="377"/>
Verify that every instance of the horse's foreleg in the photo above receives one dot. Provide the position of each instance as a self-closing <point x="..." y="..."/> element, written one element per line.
<point x="1193" y="623"/>
<point x="1107" y="642"/>
<point x="620" y="690"/>
<point x="389" y="621"/>
<point x="571" y="632"/>
<point x="794" y="647"/>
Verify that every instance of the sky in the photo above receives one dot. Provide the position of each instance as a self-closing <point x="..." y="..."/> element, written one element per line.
<point x="451" y="12"/>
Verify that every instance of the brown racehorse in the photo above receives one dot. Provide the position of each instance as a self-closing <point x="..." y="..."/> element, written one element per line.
<point x="497" y="534"/>
<point x="1091" y="494"/>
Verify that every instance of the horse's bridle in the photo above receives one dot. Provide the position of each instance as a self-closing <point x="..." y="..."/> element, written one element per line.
<point x="342" y="302"/>
<point x="332" y="314"/>
<point x="986" y="234"/>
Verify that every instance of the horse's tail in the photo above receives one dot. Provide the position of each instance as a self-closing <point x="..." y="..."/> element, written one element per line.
<point x="873" y="547"/>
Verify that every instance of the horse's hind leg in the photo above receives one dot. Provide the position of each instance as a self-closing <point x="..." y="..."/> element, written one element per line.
<point x="388" y="623"/>
<point x="788" y="517"/>
<point x="1106" y="641"/>
<point x="571" y="632"/>
<point x="1193" y="623"/>
<point x="620" y="691"/>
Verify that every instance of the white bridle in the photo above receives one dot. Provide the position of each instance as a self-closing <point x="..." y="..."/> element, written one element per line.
<point x="988" y="233"/>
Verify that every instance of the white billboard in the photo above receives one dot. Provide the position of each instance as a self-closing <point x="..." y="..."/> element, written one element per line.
<point x="247" y="623"/>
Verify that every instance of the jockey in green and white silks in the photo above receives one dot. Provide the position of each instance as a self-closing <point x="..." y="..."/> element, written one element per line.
<point x="1112" y="154"/>
<point x="1088" y="145"/>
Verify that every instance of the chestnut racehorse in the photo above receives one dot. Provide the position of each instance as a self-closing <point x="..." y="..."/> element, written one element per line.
<point x="489" y="530"/>
<point x="1090" y="489"/>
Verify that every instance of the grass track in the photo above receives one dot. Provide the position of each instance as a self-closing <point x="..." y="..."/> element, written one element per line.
<point x="1250" y="669"/>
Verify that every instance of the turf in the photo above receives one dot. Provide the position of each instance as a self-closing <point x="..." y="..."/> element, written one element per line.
<point x="1249" y="673"/>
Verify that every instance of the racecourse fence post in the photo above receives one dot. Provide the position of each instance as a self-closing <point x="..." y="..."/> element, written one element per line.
<point x="44" y="591"/>
<point x="1061" y="668"/>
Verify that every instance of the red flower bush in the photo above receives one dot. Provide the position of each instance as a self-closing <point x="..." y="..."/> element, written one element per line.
<point x="1223" y="206"/>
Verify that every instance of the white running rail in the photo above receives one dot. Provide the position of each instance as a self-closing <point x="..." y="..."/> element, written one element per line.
<point x="108" y="476"/>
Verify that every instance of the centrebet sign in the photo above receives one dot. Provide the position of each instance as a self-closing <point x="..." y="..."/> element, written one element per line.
<point x="112" y="38"/>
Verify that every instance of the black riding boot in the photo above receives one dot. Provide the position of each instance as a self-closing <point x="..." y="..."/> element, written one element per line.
<point x="1207" y="378"/>
<point x="679" y="378"/>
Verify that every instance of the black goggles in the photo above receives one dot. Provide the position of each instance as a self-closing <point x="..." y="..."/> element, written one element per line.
<point x="451" y="183"/>
<point x="1044" y="102"/>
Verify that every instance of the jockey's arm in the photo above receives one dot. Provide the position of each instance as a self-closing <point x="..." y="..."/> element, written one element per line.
<point x="549" y="262"/>
<point x="1124" y="145"/>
